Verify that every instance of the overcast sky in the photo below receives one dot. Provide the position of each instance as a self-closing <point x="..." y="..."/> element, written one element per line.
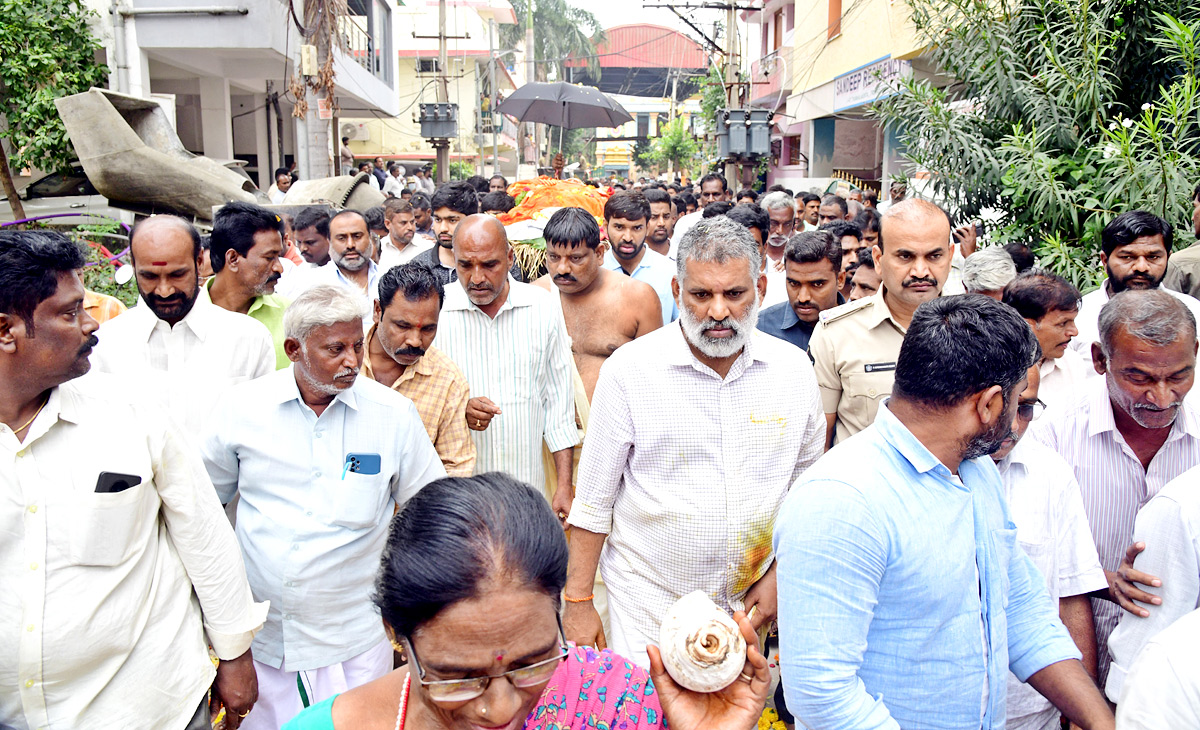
<point x="621" y="12"/>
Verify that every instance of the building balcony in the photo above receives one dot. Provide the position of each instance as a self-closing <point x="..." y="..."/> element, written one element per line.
<point x="249" y="42"/>
<point x="771" y="79"/>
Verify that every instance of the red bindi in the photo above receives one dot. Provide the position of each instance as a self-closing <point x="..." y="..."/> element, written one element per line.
<point x="158" y="263"/>
<point x="499" y="658"/>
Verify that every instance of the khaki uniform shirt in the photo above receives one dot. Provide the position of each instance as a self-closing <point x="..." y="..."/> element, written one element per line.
<point x="854" y="351"/>
<point x="1183" y="271"/>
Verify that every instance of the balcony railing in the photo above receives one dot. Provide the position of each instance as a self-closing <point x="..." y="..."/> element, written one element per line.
<point x="769" y="75"/>
<point x="362" y="47"/>
<point x="487" y="122"/>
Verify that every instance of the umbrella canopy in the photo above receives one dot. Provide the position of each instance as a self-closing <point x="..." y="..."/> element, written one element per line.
<point x="569" y="106"/>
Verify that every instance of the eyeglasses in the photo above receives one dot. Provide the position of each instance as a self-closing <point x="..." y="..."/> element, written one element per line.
<point x="462" y="690"/>
<point x="1030" y="411"/>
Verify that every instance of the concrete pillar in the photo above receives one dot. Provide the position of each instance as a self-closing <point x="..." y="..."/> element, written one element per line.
<point x="216" y="118"/>
<point x="893" y="158"/>
<point x="263" y="150"/>
<point x="135" y="58"/>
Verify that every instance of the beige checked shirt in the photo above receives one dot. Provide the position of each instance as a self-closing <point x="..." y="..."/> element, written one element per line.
<point x="439" y="390"/>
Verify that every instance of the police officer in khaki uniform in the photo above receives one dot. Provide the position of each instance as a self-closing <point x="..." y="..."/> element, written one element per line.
<point x="854" y="348"/>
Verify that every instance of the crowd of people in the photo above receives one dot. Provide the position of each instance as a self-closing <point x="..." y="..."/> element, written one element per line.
<point x="350" y="469"/>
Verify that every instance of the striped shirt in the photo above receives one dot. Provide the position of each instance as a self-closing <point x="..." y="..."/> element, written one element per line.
<point x="521" y="361"/>
<point x="685" y="472"/>
<point x="1113" y="482"/>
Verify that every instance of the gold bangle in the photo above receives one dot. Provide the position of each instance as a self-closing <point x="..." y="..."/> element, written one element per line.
<point x="568" y="599"/>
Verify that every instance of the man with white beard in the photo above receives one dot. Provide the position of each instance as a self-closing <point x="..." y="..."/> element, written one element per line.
<point x="692" y="447"/>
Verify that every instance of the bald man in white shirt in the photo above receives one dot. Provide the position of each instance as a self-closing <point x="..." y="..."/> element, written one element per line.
<point x="179" y="349"/>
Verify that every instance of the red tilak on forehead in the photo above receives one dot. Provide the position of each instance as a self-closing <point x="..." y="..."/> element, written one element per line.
<point x="499" y="658"/>
<point x="158" y="263"/>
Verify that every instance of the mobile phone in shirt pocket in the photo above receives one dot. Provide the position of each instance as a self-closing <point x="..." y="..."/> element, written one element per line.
<point x="357" y="501"/>
<point x="108" y="526"/>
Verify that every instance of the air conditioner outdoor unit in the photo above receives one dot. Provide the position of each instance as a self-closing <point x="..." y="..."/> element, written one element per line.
<point x="355" y="131"/>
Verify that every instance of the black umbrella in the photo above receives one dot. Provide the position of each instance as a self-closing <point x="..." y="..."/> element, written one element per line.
<point x="560" y="104"/>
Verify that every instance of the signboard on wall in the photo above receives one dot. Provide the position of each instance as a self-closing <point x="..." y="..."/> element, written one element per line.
<point x="876" y="80"/>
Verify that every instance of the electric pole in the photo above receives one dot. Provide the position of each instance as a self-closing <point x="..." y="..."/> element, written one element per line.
<point x="313" y="149"/>
<point x="531" y="76"/>
<point x="732" y="68"/>
<point x="442" y="146"/>
<point x="492" y="107"/>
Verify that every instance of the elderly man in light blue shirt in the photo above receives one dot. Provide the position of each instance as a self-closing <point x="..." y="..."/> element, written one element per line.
<point x="320" y="459"/>
<point x="904" y="598"/>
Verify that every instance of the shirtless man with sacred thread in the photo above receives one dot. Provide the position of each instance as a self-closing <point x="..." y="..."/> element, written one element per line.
<point x="602" y="309"/>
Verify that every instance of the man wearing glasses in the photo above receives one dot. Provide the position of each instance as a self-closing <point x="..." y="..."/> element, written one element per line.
<point x="1052" y="528"/>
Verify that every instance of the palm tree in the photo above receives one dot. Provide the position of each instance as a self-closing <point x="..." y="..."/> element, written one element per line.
<point x="560" y="31"/>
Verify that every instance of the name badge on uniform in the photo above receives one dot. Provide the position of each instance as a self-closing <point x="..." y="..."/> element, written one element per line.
<point x="879" y="367"/>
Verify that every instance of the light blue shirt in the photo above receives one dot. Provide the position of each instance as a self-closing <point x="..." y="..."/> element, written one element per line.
<point x="311" y="538"/>
<point x="891" y="574"/>
<point x="657" y="271"/>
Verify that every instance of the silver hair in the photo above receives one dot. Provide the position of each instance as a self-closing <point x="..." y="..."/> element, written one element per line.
<point x="777" y="200"/>
<point x="718" y="240"/>
<point x="1152" y="316"/>
<point x="988" y="269"/>
<point x="321" y="306"/>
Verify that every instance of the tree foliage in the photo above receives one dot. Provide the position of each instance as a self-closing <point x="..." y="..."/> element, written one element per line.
<point x="46" y="52"/>
<point x="1063" y="113"/>
<point x="675" y="144"/>
<point x="560" y="31"/>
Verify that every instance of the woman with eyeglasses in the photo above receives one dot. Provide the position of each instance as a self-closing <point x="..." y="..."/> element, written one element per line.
<point x="470" y="590"/>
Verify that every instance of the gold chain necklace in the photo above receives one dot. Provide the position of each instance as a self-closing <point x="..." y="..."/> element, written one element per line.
<point x="31" y="420"/>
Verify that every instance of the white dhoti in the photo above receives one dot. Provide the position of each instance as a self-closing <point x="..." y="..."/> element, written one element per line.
<point x="279" y="698"/>
<point x="583" y="409"/>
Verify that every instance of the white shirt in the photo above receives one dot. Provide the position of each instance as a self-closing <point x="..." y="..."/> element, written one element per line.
<point x="682" y="226"/>
<point x="187" y="366"/>
<point x="776" y="286"/>
<point x="391" y="256"/>
<point x="311" y="538"/>
<point x="1111" y="478"/>
<point x="1052" y="529"/>
<point x="1062" y="377"/>
<point x="521" y="361"/>
<point x="1169" y="524"/>
<point x="110" y="599"/>
<point x="393" y="185"/>
<point x="686" y="472"/>
<point x="296" y="279"/>
<point x="1088" y="319"/>
<point x="1163" y="687"/>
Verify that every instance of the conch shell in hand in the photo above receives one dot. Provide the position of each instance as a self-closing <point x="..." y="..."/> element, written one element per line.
<point x="702" y="648"/>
